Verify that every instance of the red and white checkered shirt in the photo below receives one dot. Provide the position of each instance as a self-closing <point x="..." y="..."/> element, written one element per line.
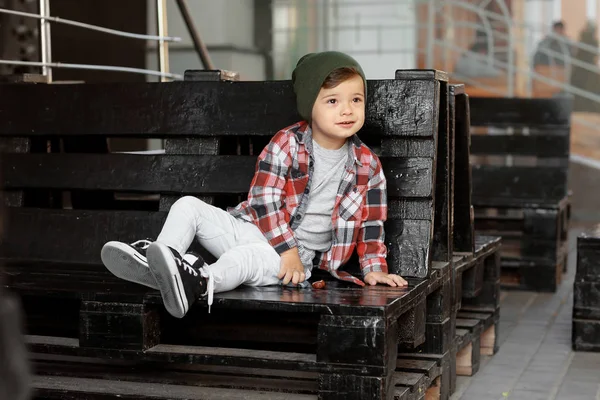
<point x="279" y="192"/>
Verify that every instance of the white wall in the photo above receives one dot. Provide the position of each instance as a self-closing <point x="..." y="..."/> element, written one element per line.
<point x="219" y="23"/>
<point x="383" y="37"/>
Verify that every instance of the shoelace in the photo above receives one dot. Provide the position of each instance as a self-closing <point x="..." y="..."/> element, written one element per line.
<point x="142" y="244"/>
<point x="187" y="267"/>
<point x="210" y="285"/>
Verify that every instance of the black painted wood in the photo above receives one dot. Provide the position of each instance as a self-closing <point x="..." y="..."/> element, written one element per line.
<point x="411" y="327"/>
<point x="500" y="112"/>
<point x="186" y="109"/>
<point x="586" y="334"/>
<point x="43" y="235"/>
<point x="350" y="334"/>
<point x="586" y="300"/>
<point x="542" y="145"/>
<point x="586" y="292"/>
<point x="442" y="228"/>
<point x="518" y="185"/>
<point x="588" y="256"/>
<point x="464" y="235"/>
<point x="118" y="325"/>
<point x="540" y="139"/>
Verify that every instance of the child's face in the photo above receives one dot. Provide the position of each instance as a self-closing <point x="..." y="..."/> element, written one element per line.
<point x="339" y="113"/>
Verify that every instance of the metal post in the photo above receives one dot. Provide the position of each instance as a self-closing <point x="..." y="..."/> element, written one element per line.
<point x="198" y="43"/>
<point x="163" y="46"/>
<point x="45" y="39"/>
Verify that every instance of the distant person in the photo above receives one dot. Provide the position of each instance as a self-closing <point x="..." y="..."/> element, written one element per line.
<point x="476" y="62"/>
<point x="586" y="79"/>
<point x="555" y="49"/>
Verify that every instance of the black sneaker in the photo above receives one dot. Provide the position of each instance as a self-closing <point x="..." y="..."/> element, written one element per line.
<point x="179" y="282"/>
<point x="128" y="261"/>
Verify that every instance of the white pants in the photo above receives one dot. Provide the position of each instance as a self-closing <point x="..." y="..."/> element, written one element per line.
<point x="244" y="255"/>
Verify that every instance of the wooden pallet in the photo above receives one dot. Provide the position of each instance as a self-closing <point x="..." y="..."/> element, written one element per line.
<point x="534" y="243"/>
<point x="586" y="293"/>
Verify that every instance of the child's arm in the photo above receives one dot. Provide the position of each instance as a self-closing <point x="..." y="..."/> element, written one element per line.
<point x="266" y="200"/>
<point x="267" y="193"/>
<point x="370" y="245"/>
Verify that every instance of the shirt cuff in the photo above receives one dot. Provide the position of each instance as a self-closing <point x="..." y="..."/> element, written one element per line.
<point x="375" y="264"/>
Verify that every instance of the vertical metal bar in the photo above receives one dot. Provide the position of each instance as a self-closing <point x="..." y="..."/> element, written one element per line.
<point x="430" y="33"/>
<point x="193" y="31"/>
<point x="163" y="46"/>
<point x="45" y="39"/>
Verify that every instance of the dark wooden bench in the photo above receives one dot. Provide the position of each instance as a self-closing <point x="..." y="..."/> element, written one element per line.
<point x="586" y="293"/>
<point x="520" y="156"/>
<point x="339" y="343"/>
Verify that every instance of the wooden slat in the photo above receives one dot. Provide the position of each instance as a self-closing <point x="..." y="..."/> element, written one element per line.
<point x="179" y="174"/>
<point x="404" y="108"/>
<point x="56" y="236"/>
<point x="463" y="210"/>
<point x="96" y="389"/>
<point x="517" y="184"/>
<point x="540" y="145"/>
<point x="73" y="235"/>
<point x="251" y="380"/>
<point x="442" y="228"/>
<point x="409" y="252"/>
<point x="502" y="112"/>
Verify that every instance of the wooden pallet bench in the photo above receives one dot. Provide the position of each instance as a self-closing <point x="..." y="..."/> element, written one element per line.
<point x="66" y="198"/>
<point x="586" y="293"/>
<point x="520" y="155"/>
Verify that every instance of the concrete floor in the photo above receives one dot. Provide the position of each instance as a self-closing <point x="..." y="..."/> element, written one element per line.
<point x="535" y="360"/>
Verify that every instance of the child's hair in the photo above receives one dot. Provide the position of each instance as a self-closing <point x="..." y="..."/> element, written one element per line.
<point x="338" y="76"/>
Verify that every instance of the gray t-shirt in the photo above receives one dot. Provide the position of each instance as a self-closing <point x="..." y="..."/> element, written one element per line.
<point x="315" y="231"/>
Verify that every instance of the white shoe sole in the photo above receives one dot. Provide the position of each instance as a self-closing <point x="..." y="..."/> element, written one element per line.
<point x="125" y="263"/>
<point x="164" y="269"/>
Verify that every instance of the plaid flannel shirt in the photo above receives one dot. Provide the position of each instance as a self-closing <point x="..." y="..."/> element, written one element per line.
<point x="279" y="192"/>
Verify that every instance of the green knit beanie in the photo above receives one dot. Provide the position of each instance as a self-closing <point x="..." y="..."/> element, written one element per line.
<point x="310" y="73"/>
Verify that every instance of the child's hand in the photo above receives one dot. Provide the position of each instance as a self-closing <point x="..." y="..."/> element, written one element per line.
<point x="373" y="278"/>
<point x="291" y="267"/>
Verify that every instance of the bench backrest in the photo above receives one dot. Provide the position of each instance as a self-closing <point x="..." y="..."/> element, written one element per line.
<point x="523" y="157"/>
<point x="54" y="140"/>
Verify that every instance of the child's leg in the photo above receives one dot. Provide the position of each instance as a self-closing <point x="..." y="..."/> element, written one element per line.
<point x="253" y="264"/>
<point x="215" y="228"/>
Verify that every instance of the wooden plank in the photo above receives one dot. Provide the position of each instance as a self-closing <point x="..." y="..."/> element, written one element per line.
<point x="87" y="389"/>
<point x="463" y="209"/>
<point x="372" y="301"/>
<point x="514" y="185"/>
<point x="175" y="174"/>
<point x="250" y="380"/>
<point x="33" y="235"/>
<point x="588" y="255"/>
<point x="540" y="145"/>
<point x="586" y="335"/>
<point x="408" y="243"/>
<point x="73" y="236"/>
<point x="394" y="107"/>
<point x="499" y="111"/>
<point x="442" y="228"/>
<point x="586" y="300"/>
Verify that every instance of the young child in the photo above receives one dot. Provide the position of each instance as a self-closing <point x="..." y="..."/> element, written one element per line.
<point x="317" y="194"/>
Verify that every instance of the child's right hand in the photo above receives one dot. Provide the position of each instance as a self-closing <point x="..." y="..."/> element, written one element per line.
<point x="291" y="267"/>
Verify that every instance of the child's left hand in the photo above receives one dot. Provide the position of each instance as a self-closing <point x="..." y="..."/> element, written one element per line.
<point x="373" y="278"/>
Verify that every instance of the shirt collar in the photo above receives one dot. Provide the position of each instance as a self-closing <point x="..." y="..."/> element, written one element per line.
<point x="304" y="136"/>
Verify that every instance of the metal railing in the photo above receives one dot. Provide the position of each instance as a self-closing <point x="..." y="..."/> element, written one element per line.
<point x="47" y="64"/>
